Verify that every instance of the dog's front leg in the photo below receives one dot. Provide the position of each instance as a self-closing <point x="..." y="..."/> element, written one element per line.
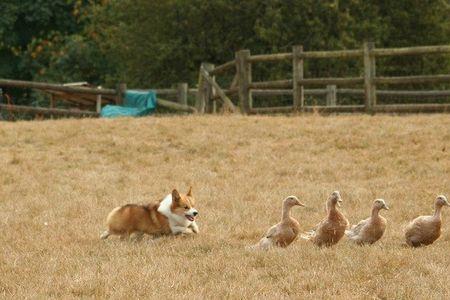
<point x="180" y="230"/>
<point x="194" y="227"/>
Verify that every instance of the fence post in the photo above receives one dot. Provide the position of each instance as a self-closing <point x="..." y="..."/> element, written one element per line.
<point x="182" y="89"/>
<point x="99" y="101"/>
<point x="209" y="90"/>
<point x="199" y="98"/>
<point x="244" y="72"/>
<point x="297" y="74"/>
<point x="331" y="95"/>
<point x="369" y="75"/>
<point x="121" y="89"/>
<point x="204" y="90"/>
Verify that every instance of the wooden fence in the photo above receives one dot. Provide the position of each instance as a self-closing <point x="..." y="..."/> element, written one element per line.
<point x="210" y="96"/>
<point x="245" y="88"/>
<point x="87" y="98"/>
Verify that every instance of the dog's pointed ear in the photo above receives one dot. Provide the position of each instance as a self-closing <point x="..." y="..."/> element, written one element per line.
<point x="176" y="196"/>
<point x="189" y="193"/>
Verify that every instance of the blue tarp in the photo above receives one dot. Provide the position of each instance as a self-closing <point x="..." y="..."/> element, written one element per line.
<point x="135" y="104"/>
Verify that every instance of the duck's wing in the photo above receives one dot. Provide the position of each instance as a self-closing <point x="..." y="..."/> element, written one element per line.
<point x="286" y="236"/>
<point x="418" y="224"/>
<point x="311" y="233"/>
<point x="415" y="230"/>
<point x="423" y="226"/>
<point x="267" y="241"/>
<point x="272" y="232"/>
<point x="356" y="229"/>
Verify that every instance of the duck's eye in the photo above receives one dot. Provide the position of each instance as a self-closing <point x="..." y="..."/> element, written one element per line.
<point x="186" y="207"/>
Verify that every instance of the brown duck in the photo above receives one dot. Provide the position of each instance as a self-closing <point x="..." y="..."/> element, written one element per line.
<point x="283" y="233"/>
<point x="332" y="228"/>
<point x="424" y="230"/>
<point x="370" y="230"/>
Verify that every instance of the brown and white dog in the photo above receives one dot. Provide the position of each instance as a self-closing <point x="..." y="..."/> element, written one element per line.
<point x="175" y="214"/>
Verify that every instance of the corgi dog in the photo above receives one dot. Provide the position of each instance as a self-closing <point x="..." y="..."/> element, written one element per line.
<point x="175" y="214"/>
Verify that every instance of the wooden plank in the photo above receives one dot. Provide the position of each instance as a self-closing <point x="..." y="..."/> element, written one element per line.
<point x="77" y="98"/>
<point x="270" y="57"/>
<point x="332" y="54"/>
<point x="209" y="90"/>
<point x="331" y="95"/>
<point x="399" y="93"/>
<point x="175" y="106"/>
<point x="369" y="75"/>
<point x="413" y="108"/>
<point x="54" y="87"/>
<point x="200" y="102"/>
<point x="424" y="94"/>
<point x="121" y="89"/>
<point x="227" y="92"/>
<point x="332" y="80"/>
<point x="235" y="82"/>
<point x="243" y="69"/>
<point x="80" y="83"/>
<point x="223" y="68"/>
<point x="274" y="92"/>
<point x="276" y="84"/>
<point x="413" y="79"/>
<point x="283" y="92"/>
<point x="219" y="90"/>
<point x="166" y="92"/>
<point x="182" y="93"/>
<point x="318" y="109"/>
<point x="297" y="74"/>
<point x="98" y="106"/>
<point x="48" y="111"/>
<point x="391" y="108"/>
<point x="412" y="50"/>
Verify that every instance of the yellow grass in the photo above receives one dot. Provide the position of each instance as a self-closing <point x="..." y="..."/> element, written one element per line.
<point x="59" y="179"/>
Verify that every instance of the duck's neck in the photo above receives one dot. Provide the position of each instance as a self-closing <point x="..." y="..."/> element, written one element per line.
<point x="375" y="212"/>
<point x="331" y="207"/>
<point x="437" y="212"/>
<point x="285" y="212"/>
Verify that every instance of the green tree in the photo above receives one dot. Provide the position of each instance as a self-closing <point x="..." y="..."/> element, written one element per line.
<point x="158" y="43"/>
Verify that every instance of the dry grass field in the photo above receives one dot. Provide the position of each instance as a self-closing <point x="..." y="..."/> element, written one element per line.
<point x="59" y="179"/>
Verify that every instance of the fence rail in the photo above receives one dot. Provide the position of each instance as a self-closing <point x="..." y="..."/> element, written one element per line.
<point x="86" y="97"/>
<point x="210" y="97"/>
<point x="56" y="87"/>
<point x="295" y="87"/>
<point x="47" y="111"/>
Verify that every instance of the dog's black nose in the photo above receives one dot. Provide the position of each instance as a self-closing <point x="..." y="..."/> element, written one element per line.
<point x="195" y="213"/>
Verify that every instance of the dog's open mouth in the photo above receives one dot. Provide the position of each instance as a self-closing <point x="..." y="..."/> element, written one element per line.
<point x="190" y="218"/>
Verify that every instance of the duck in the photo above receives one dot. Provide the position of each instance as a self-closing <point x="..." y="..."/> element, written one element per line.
<point x="332" y="228"/>
<point x="370" y="230"/>
<point x="283" y="233"/>
<point x="424" y="230"/>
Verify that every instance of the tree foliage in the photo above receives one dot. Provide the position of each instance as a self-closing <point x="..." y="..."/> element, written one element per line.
<point x="158" y="43"/>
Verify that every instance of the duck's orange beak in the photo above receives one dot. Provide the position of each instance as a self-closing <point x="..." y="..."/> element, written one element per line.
<point x="300" y="204"/>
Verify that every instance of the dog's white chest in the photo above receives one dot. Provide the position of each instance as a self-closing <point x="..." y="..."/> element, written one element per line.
<point x="177" y="223"/>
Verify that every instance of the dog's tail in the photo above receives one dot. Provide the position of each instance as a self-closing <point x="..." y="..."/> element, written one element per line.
<point x="112" y="214"/>
<point x="109" y="222"/>
<point x="105" y="235"/>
